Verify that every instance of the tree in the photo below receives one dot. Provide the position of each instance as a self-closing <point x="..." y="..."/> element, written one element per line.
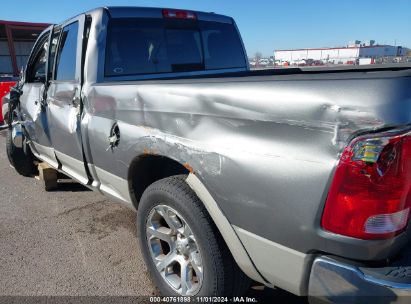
<point x="258" y="56"/>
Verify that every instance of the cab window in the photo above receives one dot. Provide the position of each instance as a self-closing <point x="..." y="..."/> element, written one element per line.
<point x="67" y="54"/>
<point x="36" y="69"/>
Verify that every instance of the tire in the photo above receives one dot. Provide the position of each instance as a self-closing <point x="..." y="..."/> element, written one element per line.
<point x="20" y="158"/>
<point x="220" y="274"/>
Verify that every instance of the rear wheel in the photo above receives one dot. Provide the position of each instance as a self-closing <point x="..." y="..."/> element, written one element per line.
<point x="182" y="247"/>
<point x="20" y="158"/>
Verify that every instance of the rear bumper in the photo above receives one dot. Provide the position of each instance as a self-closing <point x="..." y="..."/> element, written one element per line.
<point x="337" y="282"/>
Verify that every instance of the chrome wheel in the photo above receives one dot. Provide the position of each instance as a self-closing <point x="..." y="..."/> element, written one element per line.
<point x="174" y="250"/>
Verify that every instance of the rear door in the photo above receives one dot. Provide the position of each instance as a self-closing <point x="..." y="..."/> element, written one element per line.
<point x="64" y="100"/>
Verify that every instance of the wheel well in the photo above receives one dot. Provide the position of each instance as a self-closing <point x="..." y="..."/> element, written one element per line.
<point x="147" y="169"/>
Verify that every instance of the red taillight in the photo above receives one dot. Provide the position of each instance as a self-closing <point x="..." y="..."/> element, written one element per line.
<point x="177" y="14"/>
<point x="369" y="197"/>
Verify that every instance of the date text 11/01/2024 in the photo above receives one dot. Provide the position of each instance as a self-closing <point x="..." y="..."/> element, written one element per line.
<point x="203" y="300"/>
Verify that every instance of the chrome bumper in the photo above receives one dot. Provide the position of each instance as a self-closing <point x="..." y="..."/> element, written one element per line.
<point x="4" y="109"/>
<point x="17" y="135"/>
<point x="332" y="281"/>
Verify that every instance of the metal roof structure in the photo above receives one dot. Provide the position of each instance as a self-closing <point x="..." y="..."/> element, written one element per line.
<point x="14" y="31"/>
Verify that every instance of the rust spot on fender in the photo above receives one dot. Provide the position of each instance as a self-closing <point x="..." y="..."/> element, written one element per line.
<point x="188" y="167"/>
<point x="149" y="152"/>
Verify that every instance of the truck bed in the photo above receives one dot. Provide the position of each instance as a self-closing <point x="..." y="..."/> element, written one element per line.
<point x="405" y="68"/>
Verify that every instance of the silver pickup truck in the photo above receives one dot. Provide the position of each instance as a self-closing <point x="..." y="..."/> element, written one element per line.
<point x="294" y="178"/>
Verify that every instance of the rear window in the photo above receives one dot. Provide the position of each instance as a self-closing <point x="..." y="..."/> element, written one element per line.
<point x="150" y="46"/>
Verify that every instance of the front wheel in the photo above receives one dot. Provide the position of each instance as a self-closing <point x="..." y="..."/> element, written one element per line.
<point x="181" y="245"/>
<point x="20" y="158"/>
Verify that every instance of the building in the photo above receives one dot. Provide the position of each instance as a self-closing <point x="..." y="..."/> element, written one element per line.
<point x="16" y="42"/>
<point x="340" y="55"/>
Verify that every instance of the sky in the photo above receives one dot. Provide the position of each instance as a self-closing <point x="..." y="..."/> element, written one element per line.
<point x="265" y="25"/>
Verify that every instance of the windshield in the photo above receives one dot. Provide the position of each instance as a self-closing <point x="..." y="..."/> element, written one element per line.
<point x="149" y="46"/>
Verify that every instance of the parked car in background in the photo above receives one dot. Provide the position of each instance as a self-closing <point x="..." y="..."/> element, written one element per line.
<point x="253" y="63"/>
<point x="363" y="61"/>
<point x="317" y="63"/>
<point x="301" y="62"/>
<point x="5" y="84"/>
<point x="296" y="178"/>
<point x="264" y="62"/>
<point x="309" y="62"/>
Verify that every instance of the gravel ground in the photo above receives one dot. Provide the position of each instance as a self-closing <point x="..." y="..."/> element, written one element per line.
<point x="72" y="242"/>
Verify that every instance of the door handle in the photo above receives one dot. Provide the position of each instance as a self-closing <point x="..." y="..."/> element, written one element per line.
<point x="75" y="101"/>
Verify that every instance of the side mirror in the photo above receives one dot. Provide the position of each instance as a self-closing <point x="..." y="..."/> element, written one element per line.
<point x="22" y="75"/>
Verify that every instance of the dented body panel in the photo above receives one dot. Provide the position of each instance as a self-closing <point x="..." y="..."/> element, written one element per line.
<point x="264" y="145"/>
<point x="265" y="148"/>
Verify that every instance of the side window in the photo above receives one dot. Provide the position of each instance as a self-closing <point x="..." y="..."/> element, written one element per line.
<point x="52" y="51"/>
<point x="36" y="70"/>
<point x="67" y="53"/>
